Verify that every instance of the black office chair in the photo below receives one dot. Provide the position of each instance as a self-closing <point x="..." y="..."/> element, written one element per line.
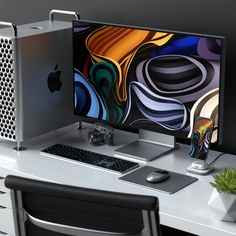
<point x="50" y="209"/>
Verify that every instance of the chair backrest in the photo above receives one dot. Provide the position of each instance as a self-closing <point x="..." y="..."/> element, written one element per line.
<point x="50" y="209"/>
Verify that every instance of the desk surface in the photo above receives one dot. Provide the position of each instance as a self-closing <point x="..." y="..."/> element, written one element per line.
<point x="186" y="209"/>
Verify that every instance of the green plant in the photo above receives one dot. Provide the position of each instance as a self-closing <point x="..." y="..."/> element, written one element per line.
<point x="225" y="182"/>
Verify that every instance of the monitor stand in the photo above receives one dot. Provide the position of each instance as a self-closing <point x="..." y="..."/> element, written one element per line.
<point x="149" y="146"/>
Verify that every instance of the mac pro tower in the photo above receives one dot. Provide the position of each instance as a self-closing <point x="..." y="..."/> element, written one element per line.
<point x="36" y="72"/>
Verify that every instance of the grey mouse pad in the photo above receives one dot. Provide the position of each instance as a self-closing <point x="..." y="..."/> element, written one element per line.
<point x="171" y="185"/>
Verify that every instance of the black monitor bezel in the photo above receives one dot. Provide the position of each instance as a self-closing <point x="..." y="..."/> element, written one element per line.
<point x="136" y="130"/>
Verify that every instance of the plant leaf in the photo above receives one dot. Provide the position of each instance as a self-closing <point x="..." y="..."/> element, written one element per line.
<point x="225" y="181"/>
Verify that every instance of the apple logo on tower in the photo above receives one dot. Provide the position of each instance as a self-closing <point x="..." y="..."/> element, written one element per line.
<point x="54" y="81"/>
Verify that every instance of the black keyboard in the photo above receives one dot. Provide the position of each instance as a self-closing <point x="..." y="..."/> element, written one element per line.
<point x="92" y="158"/>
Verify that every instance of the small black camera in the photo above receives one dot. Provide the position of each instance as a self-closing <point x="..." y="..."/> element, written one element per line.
<point x="101" y="135"/>
<point x="95" y="137"/>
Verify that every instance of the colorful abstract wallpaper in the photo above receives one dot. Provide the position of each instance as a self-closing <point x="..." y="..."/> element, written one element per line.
<point x="146" y="79"/>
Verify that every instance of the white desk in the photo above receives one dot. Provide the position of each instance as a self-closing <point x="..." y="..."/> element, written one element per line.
<point x="186" y="209"/>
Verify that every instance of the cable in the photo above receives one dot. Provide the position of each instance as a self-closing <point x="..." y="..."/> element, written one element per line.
<point x="221" y="154"/>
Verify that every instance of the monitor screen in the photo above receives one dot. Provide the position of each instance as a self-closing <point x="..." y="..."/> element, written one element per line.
<point x="145" y="78"/>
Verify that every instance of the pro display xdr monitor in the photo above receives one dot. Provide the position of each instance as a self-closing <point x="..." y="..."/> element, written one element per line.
<point x="147" y="79"/>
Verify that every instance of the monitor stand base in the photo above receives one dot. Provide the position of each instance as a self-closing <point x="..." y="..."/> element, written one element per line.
<point x="148" y="147"/>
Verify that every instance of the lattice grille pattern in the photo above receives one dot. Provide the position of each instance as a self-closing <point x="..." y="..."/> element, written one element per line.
<point x="7" y="90"/>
